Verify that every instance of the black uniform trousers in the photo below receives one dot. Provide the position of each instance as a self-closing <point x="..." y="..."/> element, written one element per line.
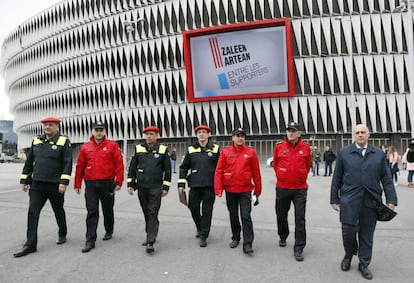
<point x="365" y="230"/>
<point x="284" y="197"/>
<point x="242" y="200"/>
<point x="99" y="190"/>
<point x="39" y="193"/>
<point x="202" y="217"/>
<point x="150" y="200"/>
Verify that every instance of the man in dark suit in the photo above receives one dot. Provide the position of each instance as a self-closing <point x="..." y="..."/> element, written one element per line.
<point x="360" y="174"/>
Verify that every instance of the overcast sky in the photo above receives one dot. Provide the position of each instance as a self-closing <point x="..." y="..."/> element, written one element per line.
<point x="13" y="13"/>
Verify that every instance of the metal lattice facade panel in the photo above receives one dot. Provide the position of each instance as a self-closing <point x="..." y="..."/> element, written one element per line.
<point x="77" y="61"/>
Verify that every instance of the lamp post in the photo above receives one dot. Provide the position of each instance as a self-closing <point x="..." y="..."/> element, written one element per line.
<point x="407" y="6"/>
<point x="351" y="103"/>
<point x="130" y="27"/>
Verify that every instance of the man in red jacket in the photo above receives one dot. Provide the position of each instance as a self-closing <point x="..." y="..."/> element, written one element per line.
<point x="292" y="161"/>
<point x="238" y="173"/>
<point x="100" y="164"/>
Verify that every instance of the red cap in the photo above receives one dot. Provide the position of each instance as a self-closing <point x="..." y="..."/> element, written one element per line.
<point x="151" y="129"/>
<point x="202" y="127"/>
<point x="50" y="120"/>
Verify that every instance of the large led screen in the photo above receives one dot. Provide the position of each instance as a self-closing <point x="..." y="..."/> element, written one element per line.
<point x="247" y="60"/>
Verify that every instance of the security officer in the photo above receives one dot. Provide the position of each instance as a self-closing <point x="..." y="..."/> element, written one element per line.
<point x="100" y="164"/>
<point x="201" y="159"/>
<point x="46" y="174"/>
<point x="150" y="173"/>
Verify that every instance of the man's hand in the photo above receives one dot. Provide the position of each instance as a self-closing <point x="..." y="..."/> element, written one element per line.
<point x="219" y="195"/>
<point x="164" y="193"/>
<point x="78" y="190"/>
<point x="391" y="206"/>
<point x="130" y="190"/>
<point x="335" y="206"/>
<point x="62" y="188"/>
<point x="117" y="188"/>
<point x="25" y="187"/>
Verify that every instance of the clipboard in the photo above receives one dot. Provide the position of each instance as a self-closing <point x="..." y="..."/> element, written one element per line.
<point x="182" y="196"/>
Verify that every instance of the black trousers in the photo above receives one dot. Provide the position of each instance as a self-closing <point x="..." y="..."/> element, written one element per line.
<point x="150" y="200"/>
<point x="284" y="197"/>
<point x="203" y="197"/>
<point x="39" y="193"/>
<point x="242" y="200"/>
<point x="99" y="190"/>
<point x="365" y="230"/>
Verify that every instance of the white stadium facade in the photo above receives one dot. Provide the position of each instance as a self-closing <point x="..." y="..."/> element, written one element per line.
<point x="122" y="62"/>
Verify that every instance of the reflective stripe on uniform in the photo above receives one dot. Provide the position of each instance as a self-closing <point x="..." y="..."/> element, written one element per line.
<point x="166" y="183"/>
<point x="192" y="149"/>
<point x="65" y="177"/>
<point x="129" y="180"/>
<point x="24" y="176"/>
<point x="214" y="149"/>
<point x="139" y="149"/>
<point x="36" y="140"/>
<point x="182" y="180"/>
<point x="61" y="141"/>
<point x="162" y="149"/>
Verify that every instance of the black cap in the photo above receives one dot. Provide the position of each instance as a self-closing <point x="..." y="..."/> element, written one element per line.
<point x="238" y="131"/>
<point x="293" y="125"/>
<point x="99" y="125"/>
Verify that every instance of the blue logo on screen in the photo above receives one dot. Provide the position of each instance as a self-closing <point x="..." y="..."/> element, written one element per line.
<point x="224" y="84"/>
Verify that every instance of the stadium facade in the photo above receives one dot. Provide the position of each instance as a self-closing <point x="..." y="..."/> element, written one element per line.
<point x="78" y="60"/>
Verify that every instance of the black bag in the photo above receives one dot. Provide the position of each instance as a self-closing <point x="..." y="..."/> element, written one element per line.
<point x="385" y="213"/>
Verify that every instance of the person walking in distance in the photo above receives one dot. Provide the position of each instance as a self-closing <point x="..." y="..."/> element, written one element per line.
<point x="173" y="157"/>
<point x="361" y="174"/>
<point x="197" y="169"/>
<point x="291" y="161"/>
<point x="100" y="164"/>
<point x="46" y="174"/>
<point x="316" y="159"/>
<point x="150" y="173"/>
<point x="329" y="157"/>
<point x="238" y="173"/>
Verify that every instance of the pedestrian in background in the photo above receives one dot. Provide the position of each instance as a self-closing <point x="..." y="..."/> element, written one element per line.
<point x="46" y="174"/>
<point x="197" y="169"/>
<point x="329" y="157"/>
<point x="393" y="159"/>
<point x="100" y="164"/>
<point x="361" y="174"/>
<point x="238" y="173"/>
<point x="173" y="157"/>
<point x="150" y="173"/>
<point x="316" y="159"/>
<point x="291" y="161"/>
<point x="410" y="164"/>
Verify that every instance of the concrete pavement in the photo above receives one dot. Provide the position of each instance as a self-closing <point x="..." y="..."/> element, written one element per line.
<point x="178" y="257"/>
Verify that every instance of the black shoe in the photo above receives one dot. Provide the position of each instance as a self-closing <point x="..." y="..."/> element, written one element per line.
<point x="203" y="242"/>
<point x="107" y="236"/>
<point x="61" y="240"/>
<point x="150" y="248"/>
<point x="346" y="263"/>
<point x="234" y="243"/>
<point x="24" y="251"/>
<point x="144" y="243"/>
<point x="365" y="272"/>
<point x="298" y="255"/>
<point x="282" y="243"/>
<point x="247" y="249"/>
<point x="88" y="246"/>
<point x="198" y="234"/>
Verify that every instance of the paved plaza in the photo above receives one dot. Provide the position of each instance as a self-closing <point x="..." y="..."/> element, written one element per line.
<point x="178" y="258"/>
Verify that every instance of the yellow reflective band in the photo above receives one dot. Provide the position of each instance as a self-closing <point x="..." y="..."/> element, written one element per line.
<point x="162" y="149"/>
<point x="129" y="180"/>
<point x="167" y="183"/>
<point x="36" y="140"/>
<point x="61" y="141"/>
<point x="24" y="176"/>
<point x="140" y="170"/>
<point x="140" y="149"/>
<point x="215" y="148"/>
<point x="65" y="177"/>
<point x="182" y="181"/>
<point x="194" y="171"/>
<point x="192" y="149"/>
